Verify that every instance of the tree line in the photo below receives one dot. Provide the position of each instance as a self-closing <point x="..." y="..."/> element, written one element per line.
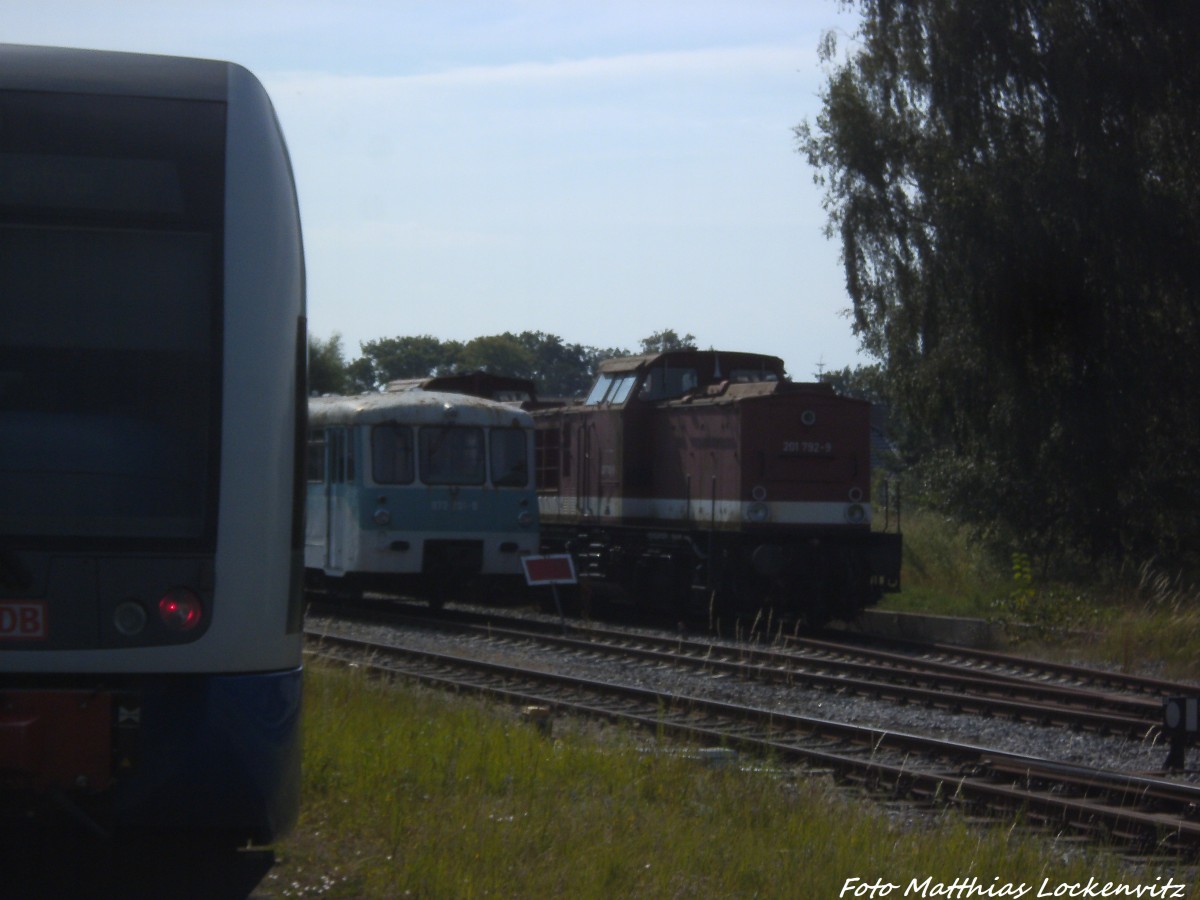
<point x="1016" y="191"/>
<point x="557" y="368"/>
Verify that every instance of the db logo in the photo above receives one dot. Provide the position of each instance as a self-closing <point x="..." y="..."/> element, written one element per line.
<point x="22" y="620"/>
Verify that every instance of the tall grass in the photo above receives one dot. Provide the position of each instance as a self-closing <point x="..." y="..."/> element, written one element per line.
<point x="945" y="570"/>
<point x="1145" y="620"/>
<point x="414" y="793"/>
<point x="1157" y="620"/>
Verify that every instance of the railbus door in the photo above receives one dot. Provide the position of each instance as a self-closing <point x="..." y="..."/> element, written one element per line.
<point x="340" y="502"/>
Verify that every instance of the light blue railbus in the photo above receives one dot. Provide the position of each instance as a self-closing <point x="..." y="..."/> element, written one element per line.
<point x="419" y="492"/>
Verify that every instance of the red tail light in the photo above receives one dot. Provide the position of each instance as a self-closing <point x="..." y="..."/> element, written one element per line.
<point x="180" y="609"/>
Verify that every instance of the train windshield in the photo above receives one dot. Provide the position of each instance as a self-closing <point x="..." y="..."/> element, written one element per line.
<point x="110" y="298"/>
<point x="611" y="389"/>
<point x="509" y="457"/>
<point x="452" y="454"/>
<point x="392" y="457"/>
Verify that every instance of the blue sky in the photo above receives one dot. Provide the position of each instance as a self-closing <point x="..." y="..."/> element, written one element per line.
<point x="599" y="171"/>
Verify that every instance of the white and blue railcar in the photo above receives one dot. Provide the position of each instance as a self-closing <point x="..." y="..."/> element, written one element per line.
<point x="420" y="492"/>
<point x="152" y="406"/>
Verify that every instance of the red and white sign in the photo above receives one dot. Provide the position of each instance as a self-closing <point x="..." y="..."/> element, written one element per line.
<point x="22" y="620"/>
<point x="556" y="569"/>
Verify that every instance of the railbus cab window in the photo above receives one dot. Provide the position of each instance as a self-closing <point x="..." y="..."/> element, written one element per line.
<point x="392" y="457"/>
<point x="509" y="449"/>
<point x="452" y="454"/>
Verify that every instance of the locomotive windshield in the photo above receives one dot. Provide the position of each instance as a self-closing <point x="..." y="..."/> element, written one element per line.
<point x="611" y="389"/>
<point x="110" y="245"/>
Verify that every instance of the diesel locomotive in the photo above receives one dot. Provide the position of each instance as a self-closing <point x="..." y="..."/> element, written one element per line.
<point x="707" y="481"/>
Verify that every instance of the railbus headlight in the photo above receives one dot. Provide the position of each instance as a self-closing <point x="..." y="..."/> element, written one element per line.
<point x="856" y="514"/>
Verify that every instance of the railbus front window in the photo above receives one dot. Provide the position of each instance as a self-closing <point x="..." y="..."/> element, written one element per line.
<point x="392" y="457"/>
<point x="452" y="454"/>
<point x="509" y="457"/>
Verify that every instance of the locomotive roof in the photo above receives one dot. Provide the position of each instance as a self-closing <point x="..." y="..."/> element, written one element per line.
<point x="416" y="407"/>
<point x="710" y="362"/>
<point x="504" y="388"/>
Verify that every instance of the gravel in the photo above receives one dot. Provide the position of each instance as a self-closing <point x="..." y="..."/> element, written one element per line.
<point x="1054" y="743"/>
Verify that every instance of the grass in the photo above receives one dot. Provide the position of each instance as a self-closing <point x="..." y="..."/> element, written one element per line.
<point x="1146" y="621"/>
<point x="415" y="793"/>
<point x="945" y="571"/>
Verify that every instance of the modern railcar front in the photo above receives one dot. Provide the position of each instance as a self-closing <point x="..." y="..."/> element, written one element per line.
<point x="152" y="395"/>
<point x="419" y="492"/>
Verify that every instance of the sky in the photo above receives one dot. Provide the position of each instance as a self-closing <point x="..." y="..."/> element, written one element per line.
<point x="596" y="171"/>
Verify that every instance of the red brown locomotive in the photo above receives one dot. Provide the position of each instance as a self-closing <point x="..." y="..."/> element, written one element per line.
<point x="707" y="481"/>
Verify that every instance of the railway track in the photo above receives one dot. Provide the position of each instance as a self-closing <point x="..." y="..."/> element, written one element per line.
<point x="1137" y="811"/>
<point x="1059" y="696"/>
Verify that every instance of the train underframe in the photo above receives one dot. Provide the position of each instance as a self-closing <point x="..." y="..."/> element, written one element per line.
<point x="212" y="757"/>
<point x="813" y="578"/>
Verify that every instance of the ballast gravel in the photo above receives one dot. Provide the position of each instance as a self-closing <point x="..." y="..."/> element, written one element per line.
<point x="1117" y="753"/>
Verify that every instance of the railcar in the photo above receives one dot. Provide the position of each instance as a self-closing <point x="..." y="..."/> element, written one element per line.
<point x="419" y="492"/>
<point x="706" y="480"/>
<point x="152" y="406"/>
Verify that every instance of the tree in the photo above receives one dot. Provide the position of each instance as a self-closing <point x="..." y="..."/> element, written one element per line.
<point x="327" y="372"/>
<point x="662" y="341"/>
<point x="408" y="357"/>
<point x="501" y="354"/>
<point x="1015" y="189"/>
<point x="861" y="382"/>
<point x="560" y="369"/>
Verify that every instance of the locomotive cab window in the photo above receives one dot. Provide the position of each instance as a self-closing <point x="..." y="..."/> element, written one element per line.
<point x="752" y="376"/>
<point x="611" y="389"/>
<point x="666" y="383"/>
<point x="599" y="389"/>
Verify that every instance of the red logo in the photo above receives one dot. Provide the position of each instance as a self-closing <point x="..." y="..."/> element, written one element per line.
<point x="22" y="620"/>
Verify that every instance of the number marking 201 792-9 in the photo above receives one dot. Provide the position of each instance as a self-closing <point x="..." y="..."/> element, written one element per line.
<point x="799" y="448"/>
